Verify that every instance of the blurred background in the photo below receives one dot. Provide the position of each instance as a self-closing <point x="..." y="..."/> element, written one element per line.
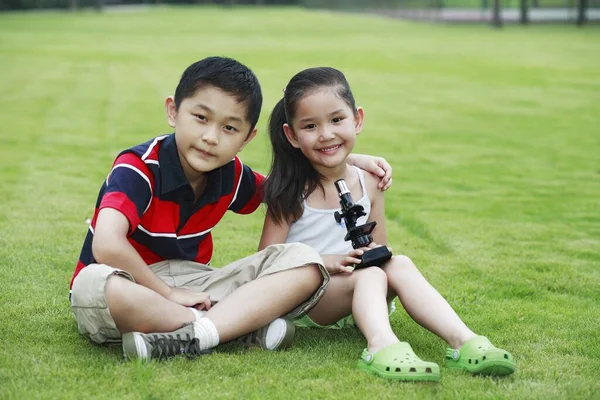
<point x="493" y="135"/>
<point x="496" y="12"/>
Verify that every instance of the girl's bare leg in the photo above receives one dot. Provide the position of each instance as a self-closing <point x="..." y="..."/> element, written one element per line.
<point x="423" y="303"/>
<point x="362" y="293"/>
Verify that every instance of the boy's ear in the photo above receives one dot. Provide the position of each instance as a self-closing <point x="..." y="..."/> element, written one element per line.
<point x="171" y="110"/>
<point x="359" y="119"/>
<point x="250" y="136"/>
<point x="291" y="136"/>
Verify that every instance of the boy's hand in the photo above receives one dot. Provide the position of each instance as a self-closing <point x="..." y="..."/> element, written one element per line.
<point x="189" y="298"/>
<point x="375" y="165"/>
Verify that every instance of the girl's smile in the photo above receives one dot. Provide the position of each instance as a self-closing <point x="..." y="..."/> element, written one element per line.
<point x="330" y="149"/>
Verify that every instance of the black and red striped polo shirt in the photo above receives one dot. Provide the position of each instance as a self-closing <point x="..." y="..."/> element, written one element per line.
<point x="147" y="184"/>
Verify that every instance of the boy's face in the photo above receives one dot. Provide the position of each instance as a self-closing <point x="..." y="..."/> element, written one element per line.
<point x="210" y="129"/>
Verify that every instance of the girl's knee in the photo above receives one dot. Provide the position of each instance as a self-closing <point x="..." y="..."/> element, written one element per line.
<point x="402" y="260"/>
<point x="371" y="274"/>
<point x="401" y="264"/>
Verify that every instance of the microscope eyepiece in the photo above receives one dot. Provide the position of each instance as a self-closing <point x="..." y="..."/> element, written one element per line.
<point x="341" y="187"/>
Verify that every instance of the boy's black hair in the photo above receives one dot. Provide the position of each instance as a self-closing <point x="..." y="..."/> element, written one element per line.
<point x="292" y="176"/>
<point x="227" y="74"/>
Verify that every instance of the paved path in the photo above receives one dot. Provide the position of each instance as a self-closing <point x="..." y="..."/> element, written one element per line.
<point x="473" y="15"/>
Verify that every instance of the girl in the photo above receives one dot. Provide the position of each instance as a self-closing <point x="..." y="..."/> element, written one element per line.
<point x="313" y="129"/>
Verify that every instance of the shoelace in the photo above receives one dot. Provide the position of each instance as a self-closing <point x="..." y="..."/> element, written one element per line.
<point x="164" y="346"/>
<point x="251" y="339"/>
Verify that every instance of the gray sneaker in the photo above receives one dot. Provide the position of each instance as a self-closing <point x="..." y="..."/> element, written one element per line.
<point x="278" y="335"/>
<point x="159" y="346"/>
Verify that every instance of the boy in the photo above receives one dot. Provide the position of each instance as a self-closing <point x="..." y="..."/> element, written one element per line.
<point x="143" y="274"/>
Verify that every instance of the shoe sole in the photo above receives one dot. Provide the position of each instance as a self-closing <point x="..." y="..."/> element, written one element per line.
<point x="284" y="339"/>
<point x="134" y="344"/>
<point x="409" y="377"/>
<point x="489" y="367"/>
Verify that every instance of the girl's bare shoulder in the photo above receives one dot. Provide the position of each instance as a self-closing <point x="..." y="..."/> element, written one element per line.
<point x="371" y="182"/>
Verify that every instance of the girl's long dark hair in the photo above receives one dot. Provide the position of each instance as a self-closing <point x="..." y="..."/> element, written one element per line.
<point x="292" y="177"/>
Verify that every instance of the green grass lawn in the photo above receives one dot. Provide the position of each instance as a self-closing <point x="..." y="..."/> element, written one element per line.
<point x="495" y="142"/>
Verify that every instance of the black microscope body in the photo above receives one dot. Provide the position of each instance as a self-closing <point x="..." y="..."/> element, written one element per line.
<point x="360" y="236"/>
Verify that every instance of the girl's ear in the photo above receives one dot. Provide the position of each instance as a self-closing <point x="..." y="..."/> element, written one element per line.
<point x="291" y="136"/>
<point x="171" y="110"/>
<point x="359" y="119"/>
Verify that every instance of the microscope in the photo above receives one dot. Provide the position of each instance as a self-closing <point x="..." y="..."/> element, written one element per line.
<point x="360" y="236"/>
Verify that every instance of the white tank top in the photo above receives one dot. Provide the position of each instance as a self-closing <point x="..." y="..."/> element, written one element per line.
<point x="318" y="228"/>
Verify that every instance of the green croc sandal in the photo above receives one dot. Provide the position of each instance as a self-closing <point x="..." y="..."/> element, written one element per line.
<point x="479" y="356"/>
<point x="398" y="362"/>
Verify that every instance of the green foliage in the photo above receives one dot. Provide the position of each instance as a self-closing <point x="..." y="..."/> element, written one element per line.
<point x="494" y="141"/>
<point x="83" y="4"/>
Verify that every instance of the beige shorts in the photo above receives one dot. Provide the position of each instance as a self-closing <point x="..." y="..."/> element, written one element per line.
<point x="93" y="316"/>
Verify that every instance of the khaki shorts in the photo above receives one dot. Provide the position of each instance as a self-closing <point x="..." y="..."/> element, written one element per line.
<point x="93" y="317"/>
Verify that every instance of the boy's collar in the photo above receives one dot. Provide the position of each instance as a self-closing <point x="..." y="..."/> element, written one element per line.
<point x="172" y="176"/>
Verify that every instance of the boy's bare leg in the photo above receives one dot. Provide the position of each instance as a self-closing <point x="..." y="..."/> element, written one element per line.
<point x="363" y="293"/>
<point x="259" y="302"/>
<point x="135" y="308"/>
<point x="424" y="304"/>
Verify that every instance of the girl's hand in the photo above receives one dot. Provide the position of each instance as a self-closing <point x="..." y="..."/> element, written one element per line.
<point x="372" y="245"/>
<point x="336" y="264"/>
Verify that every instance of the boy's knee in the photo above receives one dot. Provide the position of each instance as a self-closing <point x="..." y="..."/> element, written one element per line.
<point x="91" y="303"/>
<point x="90" y="286"/>
<point x="300" y="249"/>
<point x="314" y="273"/>
<point x="116" y="289"/>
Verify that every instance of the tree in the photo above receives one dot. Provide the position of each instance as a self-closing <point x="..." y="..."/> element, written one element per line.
<point x="497" y="14"/>
<point x="582" y="6"/>
<point x="524" y="12"/>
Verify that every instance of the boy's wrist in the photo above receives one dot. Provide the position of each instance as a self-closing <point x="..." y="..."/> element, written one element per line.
<point x="164" y="290"/>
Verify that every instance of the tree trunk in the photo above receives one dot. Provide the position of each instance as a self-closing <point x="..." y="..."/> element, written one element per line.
<point x="73" y="6"/>
<point x="497" y="14"/>
<point x="582" y="6"/>
<point x="524" y="11"/>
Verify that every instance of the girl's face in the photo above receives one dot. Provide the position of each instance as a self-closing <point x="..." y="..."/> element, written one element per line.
<point x="324" y="128"/>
